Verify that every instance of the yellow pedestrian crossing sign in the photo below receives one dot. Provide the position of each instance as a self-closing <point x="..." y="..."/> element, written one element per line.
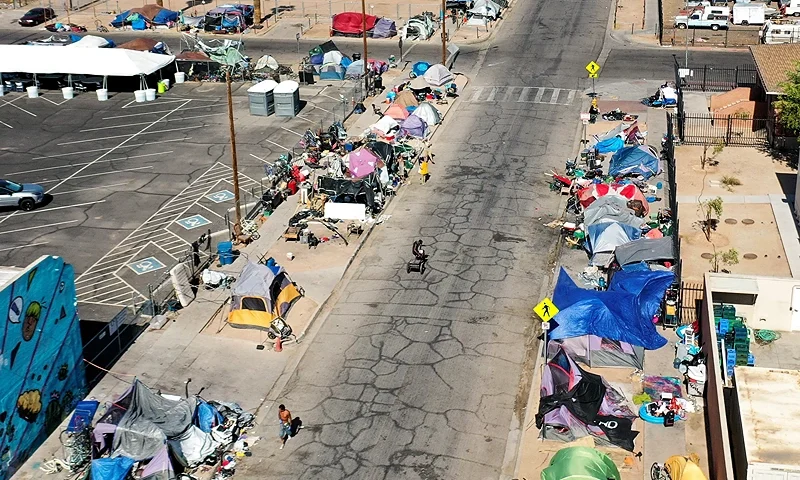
<point x="546" y="310"/>
<point x="592" y="68"/>
<point x="594" y="75"/>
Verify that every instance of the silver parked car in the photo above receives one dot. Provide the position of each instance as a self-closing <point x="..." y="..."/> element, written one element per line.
<point x="22" y="195"/>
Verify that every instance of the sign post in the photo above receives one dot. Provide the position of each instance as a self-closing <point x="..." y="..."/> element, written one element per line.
<point x="593" y="68"/>
<point x="546" y="310"/>
<point x="585" y="120"/>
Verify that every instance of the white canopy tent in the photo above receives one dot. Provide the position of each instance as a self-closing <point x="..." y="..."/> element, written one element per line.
<point x="111" y="62"/>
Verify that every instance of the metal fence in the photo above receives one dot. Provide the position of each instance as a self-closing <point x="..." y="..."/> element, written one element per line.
<point x="668" y="154"/>
<point x="713" y="79"/>
<point x="707" y="129"/>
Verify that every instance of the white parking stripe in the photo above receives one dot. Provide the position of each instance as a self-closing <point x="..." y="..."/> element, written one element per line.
<point x="276" y="144"/>
<point x="292" y="131"/>
<point x="94" y="188"/>
<point x="44" y="210"/>
<point x="38" y="226"/>
<point x="23" y="246"/>
<point x="570" y="97"/>
<point x="127" y="145"/>
<point x="5" y="102"/>
<point x="164" y="102"/>
<point x="130" y="135"/>
<point x="71" y="165"/>
<point x="146" y="123"/>
<point x="112" y="172"/>
<point x="161" y="111"/>
<point x="539" y="95"/>
<point x="7" y="125"/>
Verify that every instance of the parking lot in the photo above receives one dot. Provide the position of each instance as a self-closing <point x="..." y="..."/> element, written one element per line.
<point x="132" y="185"/>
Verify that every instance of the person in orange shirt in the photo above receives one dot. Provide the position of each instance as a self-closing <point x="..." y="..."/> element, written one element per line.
<point x="285" y="418"/>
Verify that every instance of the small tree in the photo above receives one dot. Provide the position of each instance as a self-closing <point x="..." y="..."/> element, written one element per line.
<point x="706" y="159"/>
<point x="788" y="107"/>
<point x="727" y="258"/>
<point x="710" y="211"/>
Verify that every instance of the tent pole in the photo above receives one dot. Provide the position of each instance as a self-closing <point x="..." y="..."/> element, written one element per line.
<point x="234" y="164"/>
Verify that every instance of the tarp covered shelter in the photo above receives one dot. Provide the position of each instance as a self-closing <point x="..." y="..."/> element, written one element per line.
<point x="351" y="23"/>
<point x="397" y="112"/>
<point x="259" y="296"/>
<point x="630" y="192"/>
<point x="595" y="351"/>
<point x="361" y="162"/>
<point x="384" y="28"/>
<point x="615" y="314"/>
<point x="645" y="250"/>
<point x="485" y="8"/>
<point x="348" y="191"/>
<point x="112" y="62"/>
<point x="152" y="14"/>
<point x="145" y="45"/>
<point x="611" y="208"/>
<point x="604" y="238"/>
<point x="634" y="160"/>
<point x="582" y="463"/>
<point x="575" y="403"/>
<point x="108" y="468"/>
<point x="414" y="126"/>
<point x="427" y="112"/>
<point x="437" y="75"/>
<point x="384" y="151"/>
<point x="159" y="467"/>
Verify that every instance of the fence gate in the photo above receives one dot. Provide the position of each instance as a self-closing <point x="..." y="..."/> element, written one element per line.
<point x="706" y="129"/>
<point x="691" y="301"/>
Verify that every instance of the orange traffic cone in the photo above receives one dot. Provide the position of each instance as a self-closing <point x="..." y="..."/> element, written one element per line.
<point x="278" y="346"/>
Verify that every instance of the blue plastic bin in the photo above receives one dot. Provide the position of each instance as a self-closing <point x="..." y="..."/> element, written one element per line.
<point x="225" y="253"/>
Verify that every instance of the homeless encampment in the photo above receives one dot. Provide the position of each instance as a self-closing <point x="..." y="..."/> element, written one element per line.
<point x="384" y="28"/>
<point x="595" y="351"/>
<point x="624" y="312"/>
<point x="604" y="238"/>
<point x="630" y="192"/>
<point x="437" y="75"/>
<point x="581" y="463"/>
<point x="427" y="112"/>
<point x="635" y="160"/>
<point x="261" y="295"/>
<point x="350" y="24"/>
<point x="414" y="126"/>
<point x="349" y="191"/>
<point x="231" y="18"/>
<point x="645" y="250"/>
<point x="141" y="18"/>
<point x="575" y="403"/>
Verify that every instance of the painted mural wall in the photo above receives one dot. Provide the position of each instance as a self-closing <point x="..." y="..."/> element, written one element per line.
<point x="41" y="364"/>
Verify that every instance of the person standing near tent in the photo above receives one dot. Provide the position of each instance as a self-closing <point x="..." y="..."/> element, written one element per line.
<point x="285" y="419"/>
<point x="426" y="157"/>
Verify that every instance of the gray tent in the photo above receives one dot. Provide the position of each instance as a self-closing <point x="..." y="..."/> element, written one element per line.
<point x="611" y="208"/>
<point x="645" y="250"/>
<point x="596" y="351"/>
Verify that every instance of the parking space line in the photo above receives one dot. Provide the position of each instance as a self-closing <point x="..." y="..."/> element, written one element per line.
<point x="145" y="123"/>
<point x="43" y="210"/>
<point x="23" y="246"/>
<point x="17" y="106"/>
<point x="6" y="232"/>
<point x="258" y="158"/>
<point x="162" y="111"/>
<point x="291" y="131"/>
<point x="112" y="172"/>
<point x="43" y="97"/>
<point x="86" y="163"/>
<point x="94" y="188"/>
<point x="211" y="211"/>
<point x="277" y="145"/>
<point x="129" y="104"/>
<point x="101" y="293"/>
<point x="131" y="134"/>
<point x="128" y="145"/>
<point x="163" y="250"/>
<point x="7" y="125"/>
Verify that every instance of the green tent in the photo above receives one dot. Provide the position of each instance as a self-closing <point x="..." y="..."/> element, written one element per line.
<point x="580" y="463"/>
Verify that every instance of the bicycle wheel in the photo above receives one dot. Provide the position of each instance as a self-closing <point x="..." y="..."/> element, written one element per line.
<point x="655" y="471"/>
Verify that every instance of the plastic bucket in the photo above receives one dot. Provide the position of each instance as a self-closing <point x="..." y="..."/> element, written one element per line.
<point x="225" y="252"/>
<point x="166" y="83"/>
<point x="161" y="87"/>
<point x="150" y="94"/>
<point x="68" y="92"/>
<point x="33" y="92"/>
<point x="140" y="96"/>
<point x="180" y="77"/>
<point x="102" y="94"/>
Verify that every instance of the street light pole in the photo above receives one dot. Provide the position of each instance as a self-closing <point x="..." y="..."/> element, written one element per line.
<point x="234" y="164"/>
<point x="364" y="34"/>
<point x="444" y="33"/>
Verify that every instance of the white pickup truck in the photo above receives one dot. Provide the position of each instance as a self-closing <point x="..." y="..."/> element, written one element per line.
<point x="704" y="17"/>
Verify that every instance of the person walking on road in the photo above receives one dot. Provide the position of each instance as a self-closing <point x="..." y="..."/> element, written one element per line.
<point x="285" y="418"/>
<point x="426" y="157"/>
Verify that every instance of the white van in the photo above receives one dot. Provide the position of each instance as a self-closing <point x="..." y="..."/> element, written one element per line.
<point x="792" y="9"/>
<point x="749" y="14"/>
<point x="773" y="33"/>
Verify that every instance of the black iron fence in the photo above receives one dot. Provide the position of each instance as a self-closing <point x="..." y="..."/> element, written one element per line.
<point x="707" y="129"/>
<point x="714" y="79"/>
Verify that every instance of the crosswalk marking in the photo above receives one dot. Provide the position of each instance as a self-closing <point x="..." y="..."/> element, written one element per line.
<point x="520" y="94"/>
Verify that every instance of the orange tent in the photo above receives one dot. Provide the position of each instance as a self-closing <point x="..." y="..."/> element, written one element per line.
<point x="396" y="112"/>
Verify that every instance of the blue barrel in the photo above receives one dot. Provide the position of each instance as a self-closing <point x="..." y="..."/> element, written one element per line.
<point x="348" y="147"/>
<point x="225" y="253"/>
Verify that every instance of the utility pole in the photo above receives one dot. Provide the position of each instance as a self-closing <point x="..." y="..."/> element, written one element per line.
<point x="444" y="33"/>
<point x="234" y="164"/>
<point x="257" y="12"/>
<point x="364" y="34"/>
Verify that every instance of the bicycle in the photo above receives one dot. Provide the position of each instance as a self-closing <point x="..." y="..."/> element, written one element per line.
<point x="659" y="472"/>
<point x="250" y="228"/>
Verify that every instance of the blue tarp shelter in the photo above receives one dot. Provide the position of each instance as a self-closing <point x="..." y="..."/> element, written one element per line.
<point x="111" y="468"/>
<point x="635" y="160"/>
<point x="152" y="14"/>
<point x="610" y="145"/>
<point x="419" y="68"/>
<point x="605" y="237"/>
<point x="623" y="313"/>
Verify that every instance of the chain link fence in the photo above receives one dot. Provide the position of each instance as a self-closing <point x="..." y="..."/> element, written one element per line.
<point x="322" y="12"/>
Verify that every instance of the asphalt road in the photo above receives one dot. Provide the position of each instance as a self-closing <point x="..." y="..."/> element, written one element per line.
<point x="658" y="63"/>
<point x="426" y="376"/>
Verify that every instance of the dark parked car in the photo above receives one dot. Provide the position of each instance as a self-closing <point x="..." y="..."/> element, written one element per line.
<point x="35" y="16"/>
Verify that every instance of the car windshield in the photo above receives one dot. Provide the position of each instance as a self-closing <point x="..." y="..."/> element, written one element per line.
<point x="35" y="11"/>
<point x="14" y="187"/>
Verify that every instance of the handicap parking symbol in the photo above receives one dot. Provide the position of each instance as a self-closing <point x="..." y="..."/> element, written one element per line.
<point x="221" y="196"/>
<point x="193" y="222"/>
<point x="146" y="265"/>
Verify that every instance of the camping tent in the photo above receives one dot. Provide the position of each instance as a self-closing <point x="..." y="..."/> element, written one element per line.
<point x="396" y="111"/>
<point x="581" y="462"/>
<point x="351" y="24"/>
<point x="384" y="28"/>
<point x="355" y="70"/>
<point x="575" y="403"/>
<point x="437" y="75"/>
<point x="386" y="126"/>
<point x="331" y="72"/>
<point x="427" y="112"/>
<point x="266" y="62"/>
<point x="610" y="208"/>
<point x="348" y="191"/>
<point x="645" y="250"/>
<point x="418" y="27"/>
<point x="617" y="314"/>
<point x="406" y="99"/>
<point x="594" y="191"/>
<point x="634" y="160"/>
<point x="604" y="238"/>
<point x="91" y="41"/>
<point x="159" y="467"/>
<point x="259" y="296"/>
<point x="414" y="126"/>
<point x="361" y="162"/>
<point x="595" y="351"/>
<point x="334" y="57"/>
<point x="152" y="14"/>
<point x="486" y="9"/>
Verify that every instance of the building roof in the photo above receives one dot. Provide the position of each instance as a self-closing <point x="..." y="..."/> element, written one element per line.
<point x="773" y="62"/>
<point x="770" y="414"/>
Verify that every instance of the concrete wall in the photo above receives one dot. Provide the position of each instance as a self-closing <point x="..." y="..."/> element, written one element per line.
<point x="772" y="306"/>
<point x="797" y="199"/>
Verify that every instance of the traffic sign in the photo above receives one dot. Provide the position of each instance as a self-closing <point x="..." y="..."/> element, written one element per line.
<point x="594" y="75"/>
<point x="592" y="68"/>
<point x="193" y="222"/>
<point x="586" y="116"/>
<point x="546" y="310"/>
<point x="146" y="265"/>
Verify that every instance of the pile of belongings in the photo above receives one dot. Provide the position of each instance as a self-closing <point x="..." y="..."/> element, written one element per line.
<point x="351" y="24"/>
<point x="158" y="435"/>
<point x="228" y="18"/>
<point x="617" y="138"/>
<point x="64" y="27"/>
<point x="356" y="69"/>
<point x="222" y="51"/>
<point x="142" y="18"/>
<point x="575" y="403"/>
<point x="419" y="27"/>
<point x="483" y="12"/>
<point x="146" y="45"/>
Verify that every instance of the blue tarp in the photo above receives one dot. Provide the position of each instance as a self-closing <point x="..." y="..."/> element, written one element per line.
<point x="165" y="16"/>
<point x="420" y="68"/>
<point x="206" y="417"/>
<point x="610" y="145"/>
<point x="614" y="314"/>
<point x="638" y="159"/>
<point x="111" y="468"/>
